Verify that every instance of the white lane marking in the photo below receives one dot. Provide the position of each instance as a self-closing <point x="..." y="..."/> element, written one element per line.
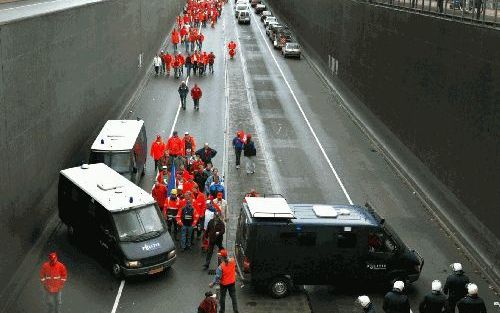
<point x="305" y="117"/>
<point x="118" y="296"/>
<point x="225" y="162"/>
<point x="178" y="110"/>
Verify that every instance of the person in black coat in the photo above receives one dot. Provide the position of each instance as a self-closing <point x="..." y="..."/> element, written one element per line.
<point x="183" y="92"/>
<point x="471" y="303"/>
<point x="434" y="302"/>
<point x="206" y="154"/>
<point x="395" y="301"/>
<point x="366" y="304"/>
<point x="455" y="286"/>
<point x="249" y="152"/>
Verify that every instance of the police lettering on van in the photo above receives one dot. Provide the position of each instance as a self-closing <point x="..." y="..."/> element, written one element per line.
<point x="280" y="244"/>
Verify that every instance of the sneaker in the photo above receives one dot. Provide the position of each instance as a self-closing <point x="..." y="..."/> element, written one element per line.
<point x="237" y="166"/>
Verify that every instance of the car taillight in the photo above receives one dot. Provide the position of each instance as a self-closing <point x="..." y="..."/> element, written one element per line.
<point x="246" y="265"/>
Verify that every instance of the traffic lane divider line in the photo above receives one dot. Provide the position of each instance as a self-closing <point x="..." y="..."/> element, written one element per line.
<point x="118" y="296"/>
<point x="318" y="142"/>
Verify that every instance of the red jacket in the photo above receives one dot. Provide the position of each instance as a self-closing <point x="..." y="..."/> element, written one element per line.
<point x="201" y="37"/>
<point x="183" y="32"/>
<point x="159" y="193"/>
<point x="167" y="59"/>
<point x="196" y="93"/>
<point x="171" y="204"/>
<point x="191" y="141"/>
<point x="231" y="45"/>
<point x="157" y="149"/>
<point x="175" y="146"/>
<point x="208" y="305"/>
<point x="188" y="186"/>
<point x="53" y="277"/>
<point x="175" y="37"/>
<point x="200" y="204"/>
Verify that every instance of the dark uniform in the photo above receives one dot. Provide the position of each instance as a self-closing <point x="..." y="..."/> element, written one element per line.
<point x="369" y="309"/>
<point x="434" y="302"/>
<point x="396" y="302"/>
<point x="471" y="304"/>
<point x="455" y="288"/>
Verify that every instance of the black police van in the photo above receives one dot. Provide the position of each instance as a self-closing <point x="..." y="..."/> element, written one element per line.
<point x="116" y="218"/>
<point x="279" y="245"/>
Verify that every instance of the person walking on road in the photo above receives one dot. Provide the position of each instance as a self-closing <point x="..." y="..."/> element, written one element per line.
<point x="471" y="303"/>
<point x="209" y="304"/>
<point x="395" y="301"/>
<point x="249" y="152"/>
<point x="183" y="92"/>
<point x="211" y="61"/>
<point x="225" y="276"/>
<point x="167" y="62"/>
<point x="222" y="204"/>
<point x="196" y="94"/>
<point x="157" y="62"/>
<point x="238" y="147"/>
<point x="366" y="304"/>
<point x="175" y="39"/>
<point x="215" y="233"/>
<point x="53" y="276"/>
<point x="434" y="302"/>
<point x="456" y="285"/>
<point x="170" y="210"/>
<point x="157" y="151"/>
<point x="159" y="192"/>
<point x="189" y="65"/>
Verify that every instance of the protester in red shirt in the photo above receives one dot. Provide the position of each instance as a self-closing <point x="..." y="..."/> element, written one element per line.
<point x="53" y="276"/>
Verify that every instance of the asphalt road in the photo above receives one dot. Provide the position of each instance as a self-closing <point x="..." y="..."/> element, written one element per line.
<point x="282" y="94"/>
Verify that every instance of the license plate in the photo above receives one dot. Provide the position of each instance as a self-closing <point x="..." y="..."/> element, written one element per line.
<point x="156" y="270"/>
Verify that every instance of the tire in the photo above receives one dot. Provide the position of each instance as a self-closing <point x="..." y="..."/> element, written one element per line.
<point x="116" y="271"/>
<point x="279" y="287"/>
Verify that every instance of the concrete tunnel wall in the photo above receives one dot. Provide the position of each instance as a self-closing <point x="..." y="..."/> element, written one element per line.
<point x="62" y="76"/>
<point x="435" y="83"/>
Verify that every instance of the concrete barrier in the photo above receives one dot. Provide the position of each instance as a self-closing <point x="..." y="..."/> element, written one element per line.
<point x="63" y="74"/>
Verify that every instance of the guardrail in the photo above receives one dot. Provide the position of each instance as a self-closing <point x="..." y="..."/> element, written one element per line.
<point x="484" y="12"/>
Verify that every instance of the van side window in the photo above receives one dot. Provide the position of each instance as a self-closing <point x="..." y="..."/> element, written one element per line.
<point x="299" y="238"/>
<point x="346" y="240"/>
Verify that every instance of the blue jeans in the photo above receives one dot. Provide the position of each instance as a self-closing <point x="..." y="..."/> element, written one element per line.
<point x="186" y="236"/>
<point x="192" y="46"/>
<point x="186" y="42"/>
<point x="188" y="67"/>
<point x="175" y="47"/>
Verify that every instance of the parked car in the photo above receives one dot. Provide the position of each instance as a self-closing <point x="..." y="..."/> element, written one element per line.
<point x="254" y="3"/>
<point x="281" y="37"/>
<point x="271" y="26"/>
<point x="260" y="8"/>
<point x="244" y="17"/>
<point x="265" y="14"/>
<point x="268" y="27"/>
<point x="274" y="29"/>
<point x="291" y="49"/>
<point x="270" y="19"/>
<point x="279" y="245"/>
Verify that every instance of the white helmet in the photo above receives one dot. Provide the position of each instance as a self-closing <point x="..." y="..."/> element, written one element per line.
<point x="436" y="285"/>
<point x="364" y="301"/>
<point x="456" y="267"/>
<point x="399" y="285"/>
<point x="471" y="289"/>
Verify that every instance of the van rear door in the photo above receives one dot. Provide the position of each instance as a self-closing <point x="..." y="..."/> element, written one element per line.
<point x="241" y="245"/>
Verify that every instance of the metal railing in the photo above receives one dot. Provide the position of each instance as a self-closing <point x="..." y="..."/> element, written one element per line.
<point x="485" y="12"/>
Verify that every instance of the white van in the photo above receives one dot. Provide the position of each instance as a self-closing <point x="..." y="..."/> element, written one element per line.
<point x="116" y="219"/>
<point x="244" y="17"/>
<point x="239" y="8"/>
<point x="122" y="145"/>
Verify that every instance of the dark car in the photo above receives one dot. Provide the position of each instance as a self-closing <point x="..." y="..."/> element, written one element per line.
<point x="265" y="14"/>
<point x="279" y="245"/>
<point x="253" y="3"/>
<point x="260" y="8"/>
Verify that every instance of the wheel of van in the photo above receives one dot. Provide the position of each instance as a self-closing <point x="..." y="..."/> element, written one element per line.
<point x="280" y="287"/>
<point x="116" y="270"/>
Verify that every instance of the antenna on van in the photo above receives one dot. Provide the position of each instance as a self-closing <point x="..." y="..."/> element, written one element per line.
<point x="131" y="199"/>
<point x="102" y="141"/>
<point x="138" y="118"/>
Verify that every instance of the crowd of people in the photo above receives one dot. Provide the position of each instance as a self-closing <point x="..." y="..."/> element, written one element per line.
<point x="457" y="293"/>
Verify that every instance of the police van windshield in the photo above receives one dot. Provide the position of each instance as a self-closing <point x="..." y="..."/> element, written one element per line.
<point x="119" y="161"/>
<point x="139" y="224"/>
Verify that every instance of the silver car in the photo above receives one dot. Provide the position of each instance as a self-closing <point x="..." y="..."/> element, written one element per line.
<point x="291" y="49"/>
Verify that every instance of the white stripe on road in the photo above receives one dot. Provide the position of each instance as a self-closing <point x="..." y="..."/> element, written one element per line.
<point x="118" y="296"/>
<point x="344" y="190"/>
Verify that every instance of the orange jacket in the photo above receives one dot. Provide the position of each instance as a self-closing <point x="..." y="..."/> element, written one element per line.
<point x="171" y="205"/>
<point x="228" y="272"/>
<point x="157" y="149"/>
<point x="231" y="45"/>
<point x="159" y="193"/>
<point x="175" y="37"/>
<point x="53" y="277"/>
<point x="175" y="146"/>
<point x="200" y="204"/>
<point x="189" y="140"/>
